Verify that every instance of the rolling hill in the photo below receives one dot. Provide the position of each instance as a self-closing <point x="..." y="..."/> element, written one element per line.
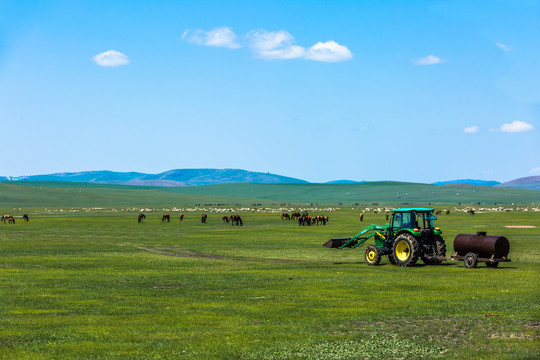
<point x="172" y="178"/>
<point x="468" y="182"/>
<point x="528" y="183"/>
<point x="38" y="194"/>
<point x="200" y="177"/>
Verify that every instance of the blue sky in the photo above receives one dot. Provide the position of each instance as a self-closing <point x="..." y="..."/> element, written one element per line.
<point x="418" y="91"/>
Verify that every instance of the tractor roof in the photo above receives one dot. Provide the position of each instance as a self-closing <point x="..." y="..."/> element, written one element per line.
<point x="412" y="209"/>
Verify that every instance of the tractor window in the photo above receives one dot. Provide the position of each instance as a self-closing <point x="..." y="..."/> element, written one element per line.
<point x="425" y="220"/>
<point x="397" y="221"/>
<point x="408" y="221"/>
<point x="404" y="220"/>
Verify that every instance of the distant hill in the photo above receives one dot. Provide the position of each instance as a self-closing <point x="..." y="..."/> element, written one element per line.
<point x="525" y="183"/>
<point x="343" y="182"/>
<point x="468" y="182"/>
<point x="171" y="178"/>
<point x="199" y="177"/>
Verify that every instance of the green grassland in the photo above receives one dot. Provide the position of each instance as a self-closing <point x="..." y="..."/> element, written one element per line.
<point x="65" y="194"/>
<point x="85" y="283"/>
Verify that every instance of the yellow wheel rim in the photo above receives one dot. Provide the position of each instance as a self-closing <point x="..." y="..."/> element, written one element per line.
<point x="403" y="250"/>
<point x="371" y="255"/>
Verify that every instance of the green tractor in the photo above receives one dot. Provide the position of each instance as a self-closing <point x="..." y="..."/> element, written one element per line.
<point x="410" y="235"/>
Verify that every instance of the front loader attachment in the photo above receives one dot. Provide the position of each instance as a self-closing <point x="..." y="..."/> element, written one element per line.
<point x="356" y="240"/>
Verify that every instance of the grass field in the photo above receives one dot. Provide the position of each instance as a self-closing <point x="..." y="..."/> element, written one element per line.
<point x="98" y="285"/>
<point x="67" y="194"/>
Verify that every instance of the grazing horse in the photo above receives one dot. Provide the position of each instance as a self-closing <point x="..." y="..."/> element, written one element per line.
<point x="285" y="216"/>
<point x="166" y="217"/>
<point x="470" y="211"/>
<point x="203" y="218"/>
<point x="181" y="217"/>
<point x="225" y="219"/>
<point x="236" y="219"/>
<point x="447" y="212"/>
<point x="25" y="217"/>
<point x="361" y="217"/>
<point x="438" y="212"/>
<point x="295" y="215"/>
<point x="306" y="220"/>
<point x="141" y="218"/>
<point x="321" y="219"/>
<point x="9" y="218"/>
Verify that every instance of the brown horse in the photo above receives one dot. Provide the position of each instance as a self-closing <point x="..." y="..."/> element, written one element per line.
<point x="203" y="218"/>
<point x="285" y="216"/>
<point x="295" y="215"/>
<point x="361" y="217"/>
<point x="166" y="217"/>
<point x="470" y="211"/>
<point x="9" y="218"/>
<point x="321" y="219"/>
<point x="236" y="219"/>
<point x="225" y="219"/>
<point x="25" y="217"/>
<point x="447" y="212"/>
<point x="141" y="218"/>
<point x="306" y="220"/>
<point x="438" y="212"/>
<point x="181" y="217"/>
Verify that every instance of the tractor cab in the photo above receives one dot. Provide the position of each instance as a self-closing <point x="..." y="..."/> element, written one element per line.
<point x="416" y="221"/>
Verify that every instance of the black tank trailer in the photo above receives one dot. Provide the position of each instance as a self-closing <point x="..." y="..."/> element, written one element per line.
<point x="481" y="248"/>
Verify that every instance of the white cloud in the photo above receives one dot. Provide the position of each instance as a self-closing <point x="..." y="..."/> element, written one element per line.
<point x="471" y="129"/>
<point x="329" y="51"/>
<point x="276" y="45"/>
<point x="111" y="58"/>
<point x="535" y="171"/>
<point x="504" y="47"/>
<point x="429" y="60"/>
<point x="516" y="126"/>
<point x="270" y="45"/>
<point x="219" y="37"/>
<point x="279" y="45"/>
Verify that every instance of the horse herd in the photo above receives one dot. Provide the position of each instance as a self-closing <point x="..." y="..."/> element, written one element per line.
<point x="10" y="219"/>
<point x="233" y="219"/>
<point x="305" y="219"/>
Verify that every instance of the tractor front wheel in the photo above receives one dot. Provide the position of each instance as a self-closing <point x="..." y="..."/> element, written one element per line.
<point x="372" y="255"/>
<point x="406" y="250"/>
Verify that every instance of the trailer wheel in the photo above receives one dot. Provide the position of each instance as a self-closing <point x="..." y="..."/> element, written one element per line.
<point x="471" y="260"/>
<point x="372" y="255"/>
<point x="492" y="264"/>
<point x="406" y="250"/>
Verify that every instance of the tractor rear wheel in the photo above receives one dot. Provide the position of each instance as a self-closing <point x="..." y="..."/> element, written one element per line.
<point x="372" y="255"/>
<point x="406" y="250"/>
<point x="439" y="249"/>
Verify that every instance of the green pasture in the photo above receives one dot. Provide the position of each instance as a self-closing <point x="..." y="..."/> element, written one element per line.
<point x="27" y="194"/>
<point x="98" y="285"/>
